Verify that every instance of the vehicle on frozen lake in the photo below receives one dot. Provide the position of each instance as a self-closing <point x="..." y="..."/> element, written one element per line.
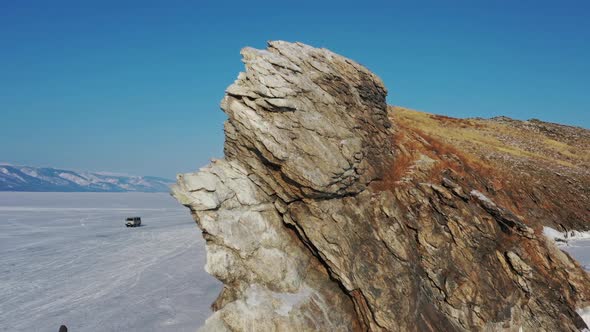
<point x="133" y="222"/>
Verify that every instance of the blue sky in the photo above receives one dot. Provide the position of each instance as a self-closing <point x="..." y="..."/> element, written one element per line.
<point x="134" y="87"/>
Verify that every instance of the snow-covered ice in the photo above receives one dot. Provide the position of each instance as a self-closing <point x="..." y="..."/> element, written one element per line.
<point x="585" y="314"/>
<point x="580" y="250"/>
<point x="565" y="237"/>
<point x="67" y="258"/>
<point x="575" y="243"/>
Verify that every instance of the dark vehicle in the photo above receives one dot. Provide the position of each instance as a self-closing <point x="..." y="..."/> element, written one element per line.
<point x="133" y="222"/>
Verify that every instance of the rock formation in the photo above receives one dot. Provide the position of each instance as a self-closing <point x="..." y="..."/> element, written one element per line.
<point x="325" y="215"/>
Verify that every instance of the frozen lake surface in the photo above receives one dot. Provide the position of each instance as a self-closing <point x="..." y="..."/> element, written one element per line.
<point x="576" y="243"/>
<point x="580" y="251"/>
<point x="67" y="258"/>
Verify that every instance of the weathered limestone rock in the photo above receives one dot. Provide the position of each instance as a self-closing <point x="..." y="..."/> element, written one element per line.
<point x="310" y="121"/>
<point x="271" y="281"/>
<point x="308" y="232"/>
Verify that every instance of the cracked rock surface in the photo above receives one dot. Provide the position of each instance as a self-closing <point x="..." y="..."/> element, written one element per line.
<point x="309" y="231"/>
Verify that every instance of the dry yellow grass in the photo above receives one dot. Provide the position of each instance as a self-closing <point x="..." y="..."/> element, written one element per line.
<point x="485" y="136"/>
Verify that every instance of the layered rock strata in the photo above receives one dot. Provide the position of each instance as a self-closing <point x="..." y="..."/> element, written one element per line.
<point x="309" y="229"/>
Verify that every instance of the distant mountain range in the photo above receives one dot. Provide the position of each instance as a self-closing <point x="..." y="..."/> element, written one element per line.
<point x="26" y="178"/>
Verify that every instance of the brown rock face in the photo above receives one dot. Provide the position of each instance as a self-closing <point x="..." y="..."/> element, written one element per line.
<point x="325" y="215"/>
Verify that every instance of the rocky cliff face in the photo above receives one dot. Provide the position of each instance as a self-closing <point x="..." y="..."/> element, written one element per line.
<point x="326" y="215"/>
<point x="539" y="170"/>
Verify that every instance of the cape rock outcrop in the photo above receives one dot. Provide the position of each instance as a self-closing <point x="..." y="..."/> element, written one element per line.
<point x="326" y="215"/>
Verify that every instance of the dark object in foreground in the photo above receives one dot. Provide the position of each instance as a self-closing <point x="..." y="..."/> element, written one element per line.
<point x="63" y="328"/>
<point x="133" y="222"/>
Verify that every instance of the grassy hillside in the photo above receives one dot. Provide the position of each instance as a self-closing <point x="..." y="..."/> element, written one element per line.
<point x="538" y="170"/>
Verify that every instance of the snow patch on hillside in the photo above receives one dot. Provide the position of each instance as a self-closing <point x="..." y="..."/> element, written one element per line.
<point x="24" y="178"/>
<point x="74" y="178"/>
<point x="565" y="237"/>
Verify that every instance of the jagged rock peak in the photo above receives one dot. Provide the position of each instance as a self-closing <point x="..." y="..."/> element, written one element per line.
<point x="318" y="119"/>
<point x="323" y="217"/>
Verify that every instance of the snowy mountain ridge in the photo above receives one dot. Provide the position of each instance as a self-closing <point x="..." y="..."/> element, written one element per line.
<point x="27" y="178"/>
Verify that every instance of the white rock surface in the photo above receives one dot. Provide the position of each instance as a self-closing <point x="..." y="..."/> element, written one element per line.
<point x="249" y="248"/>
